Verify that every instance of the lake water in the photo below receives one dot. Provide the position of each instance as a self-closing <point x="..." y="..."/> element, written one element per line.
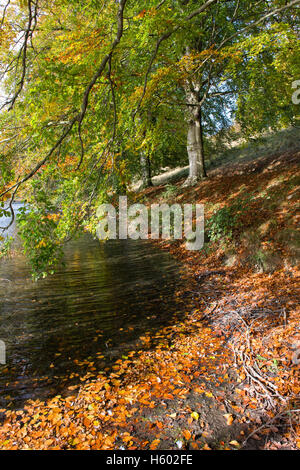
<point x="99" y="304"/>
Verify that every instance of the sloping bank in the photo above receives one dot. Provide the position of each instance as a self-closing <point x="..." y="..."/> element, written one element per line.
<point x="227" y="376"/>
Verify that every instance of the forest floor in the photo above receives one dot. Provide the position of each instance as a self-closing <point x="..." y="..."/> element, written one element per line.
<point x="227" y="375"/>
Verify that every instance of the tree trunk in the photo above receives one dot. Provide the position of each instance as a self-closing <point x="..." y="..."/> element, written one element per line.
<point x="195" y="149"/>
<point x="146" y="170"/>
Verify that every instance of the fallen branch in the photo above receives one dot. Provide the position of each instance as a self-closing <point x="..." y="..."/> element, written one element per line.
<point x="268" y="424"/>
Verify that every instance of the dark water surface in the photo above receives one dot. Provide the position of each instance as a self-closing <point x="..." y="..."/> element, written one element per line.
<point x="100" y="303"/>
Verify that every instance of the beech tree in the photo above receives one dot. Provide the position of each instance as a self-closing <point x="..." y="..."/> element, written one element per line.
<point x="98" y="91"/>
<point x="205" y="47"/>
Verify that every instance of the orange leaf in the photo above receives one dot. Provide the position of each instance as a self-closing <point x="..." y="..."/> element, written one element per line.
<point x="154" y="444"/>
<point x="187" y="434"/>
<point x="229" y="419"/>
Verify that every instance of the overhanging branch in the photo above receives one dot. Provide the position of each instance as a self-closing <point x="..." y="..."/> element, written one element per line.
<point x="80" y="116"/>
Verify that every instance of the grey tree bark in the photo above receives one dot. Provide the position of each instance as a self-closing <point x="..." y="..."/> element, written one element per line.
<point x="146" y="170"/>
<point x="195" y="147"/>
<point x="195" y="97"/>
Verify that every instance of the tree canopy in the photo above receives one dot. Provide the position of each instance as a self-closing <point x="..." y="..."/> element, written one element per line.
<point x="96" y="92"/>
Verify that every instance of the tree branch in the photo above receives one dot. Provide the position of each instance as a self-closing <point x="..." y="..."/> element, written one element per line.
<point x="28" y="34"/>
<point x="163" y="38"/>
<point x="79" y="117"/>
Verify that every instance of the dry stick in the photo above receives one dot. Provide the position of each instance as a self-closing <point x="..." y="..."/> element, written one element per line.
<point x="268" y="424"/>
<point x="258" y="380"/>
<point x="284" y="317"/>
<point x="269" y="384"/>
<point x="255" y="375"/>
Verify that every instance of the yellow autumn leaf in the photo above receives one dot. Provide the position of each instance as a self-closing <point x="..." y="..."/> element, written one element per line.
<point x="229" y="418"/>
<point x="234" y="443"/>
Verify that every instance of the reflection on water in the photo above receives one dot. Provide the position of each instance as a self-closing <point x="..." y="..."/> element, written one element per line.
<point x="5" y="221"/>
<point x="57" y="329"/>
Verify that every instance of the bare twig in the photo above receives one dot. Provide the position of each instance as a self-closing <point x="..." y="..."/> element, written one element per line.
<point x="4" y="13"/>
<point x="28" y="34"/>
<point x="271" y="421"/>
